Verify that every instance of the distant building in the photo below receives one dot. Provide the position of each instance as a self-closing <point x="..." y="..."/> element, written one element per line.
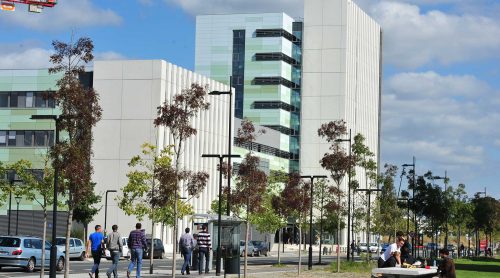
<point x="130" y="92"/>
<point x="294" y="75"/>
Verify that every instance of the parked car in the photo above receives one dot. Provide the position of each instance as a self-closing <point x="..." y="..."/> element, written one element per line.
<point x="260" y="247"/>
<point x="159" y="250"/>
<point x="76" y="247"/>
<point x="26" y="252"/>
<point x="374" y="247"/>
<point x="125" y="250"/>
<point x="250" y="248"/>
<point x="431" y="246"/>
<point x="451" y="248"/>
<point x="363" y="247"/>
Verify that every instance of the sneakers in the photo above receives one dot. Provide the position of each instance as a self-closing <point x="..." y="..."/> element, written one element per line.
<point x="91" y="275"/>
<point x="128" y="274"/>
<point x="108" y="274"/>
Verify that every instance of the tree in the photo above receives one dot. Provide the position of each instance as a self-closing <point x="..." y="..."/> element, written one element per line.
<point x="80" y="111"/>
<point x="177" y="116"/>
<point x="387" y="216"/>
<point x="294" y="201"/>
<point x="337" y="162"/>
<point x="270" y="220"/>
<point x="6" y="183"/>
<point x="39" y="189"/>
<point x="85" y="211"/>
<point x="248" y="194"/>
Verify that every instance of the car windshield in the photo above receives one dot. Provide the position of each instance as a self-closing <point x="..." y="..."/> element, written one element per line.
<point x="242" y="243"/>
<point x="60" y="241"/>
<point x="373" y="244"/>
<point x="10" y="242"/>
<point x="363" y="244"/>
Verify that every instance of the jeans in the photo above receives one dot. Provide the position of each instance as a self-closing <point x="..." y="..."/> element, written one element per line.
<point x="204" y="252"/>
<point x="136" y="259"/>
<point x="187" y="261"/>
<point x="96" y="255"/>
<point x="115" y="256"/>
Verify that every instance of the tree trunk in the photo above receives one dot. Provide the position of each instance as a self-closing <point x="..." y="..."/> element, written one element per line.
<point x="459" y="240"/>
<point x="300" y="254"/>
<point x="279" y="244"/>
<point x="174" y="255"/>
<point x="42" y="267"/>
<point x="247" y="232"/>
<point x="68" y="235"/>
<point x="338" y="235"/>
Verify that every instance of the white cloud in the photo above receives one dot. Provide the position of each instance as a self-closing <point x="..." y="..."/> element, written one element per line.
<point x="24" y="55"/>
<point x="414" y="38"/>
<point x="447" y="121"/>
<point x="195" y="7"/>
<point x="109" y="55"/>
<point x="65" y="15"/>
<point x="29" y="55"/>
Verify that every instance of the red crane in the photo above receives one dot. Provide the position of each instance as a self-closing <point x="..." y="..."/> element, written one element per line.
<point x="35" y="6"/>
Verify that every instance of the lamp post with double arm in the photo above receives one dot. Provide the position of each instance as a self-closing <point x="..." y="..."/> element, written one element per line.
<point x="414" y="181"/>
<point x="445" y="179"/>
<point x="219" y="219"/>
<point x="230" y="140"/>
<point x="53" y="247"/>
<point x="309" y="264"/>
<point x="106" y="209"/>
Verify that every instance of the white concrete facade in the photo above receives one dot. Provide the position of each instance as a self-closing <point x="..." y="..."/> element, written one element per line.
<point x="341" y="80"/>
<point x="130" y="92"/>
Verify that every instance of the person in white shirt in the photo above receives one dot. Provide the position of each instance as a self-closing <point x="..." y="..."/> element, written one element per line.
<point x="395" y="247"/>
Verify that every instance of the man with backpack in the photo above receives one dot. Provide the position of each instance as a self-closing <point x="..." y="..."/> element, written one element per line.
<point x="186" y="244"/>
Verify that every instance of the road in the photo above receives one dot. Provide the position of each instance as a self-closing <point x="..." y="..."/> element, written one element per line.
<point x="162" y="267"/>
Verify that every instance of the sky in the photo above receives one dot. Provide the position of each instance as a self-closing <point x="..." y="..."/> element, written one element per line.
<point x="441" y="80"/>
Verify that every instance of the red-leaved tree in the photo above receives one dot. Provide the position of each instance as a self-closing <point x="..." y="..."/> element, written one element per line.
<point x="337" y="162"/>
<point x="177" y="116"/>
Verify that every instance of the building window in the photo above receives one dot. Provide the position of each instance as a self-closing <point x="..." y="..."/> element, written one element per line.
<point x="274" y="105"/>
<point x="263" y="33"/>
<point x="276" y="56"/>
<point x="26" y="100"/>
<point x="26" y="138"/>
<point x="238" y="70"/>
<point x="275" y="80"/>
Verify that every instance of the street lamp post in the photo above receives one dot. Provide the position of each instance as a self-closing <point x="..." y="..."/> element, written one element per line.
<point x="348" y="198"/>
<point x="407" y="214"/>
<point x="445" y="178"/>
<point x="53" y="247"/>
<point x="369" y="193"/>
<point x="309" y="264"/>
<point x="229" y="145"/>
<point x="414" y="250"/>
<point x="477" y="240"/>
<point x="12" y="180"/>
<point x="18" y="200"/>
<point x="219" y="219"/>
<point x="106" y="210"/>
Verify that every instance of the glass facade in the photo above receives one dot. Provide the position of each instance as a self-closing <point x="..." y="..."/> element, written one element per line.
<point x="238" y="75"/>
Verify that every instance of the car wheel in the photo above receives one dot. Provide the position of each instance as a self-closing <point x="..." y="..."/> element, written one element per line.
<point x="60" y="264"/>
<point x="265" y="253"/>
<point x="258" y="253"/>
<point x="30" y="267"/>
<point x="128" y="255"/>
<point x="162" y="255"/>
<point x="82" y="256"/>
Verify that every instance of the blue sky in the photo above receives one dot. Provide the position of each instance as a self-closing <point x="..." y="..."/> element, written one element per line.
<point x="441" y="95"/>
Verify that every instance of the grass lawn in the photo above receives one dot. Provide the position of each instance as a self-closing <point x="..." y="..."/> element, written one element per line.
<point x="478" y="268"/>
<point x="353" y="267"/>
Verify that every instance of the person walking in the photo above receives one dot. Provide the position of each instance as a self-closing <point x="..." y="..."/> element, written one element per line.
<point x="115" y="246"/>
<point x="204" y="247"/>
<point x="94" y="247"/>
<point x="137" y="244"/>
<point x="186" y="244"/>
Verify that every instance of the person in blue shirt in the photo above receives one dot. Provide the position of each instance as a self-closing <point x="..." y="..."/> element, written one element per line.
<point x="94" y="247"/>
